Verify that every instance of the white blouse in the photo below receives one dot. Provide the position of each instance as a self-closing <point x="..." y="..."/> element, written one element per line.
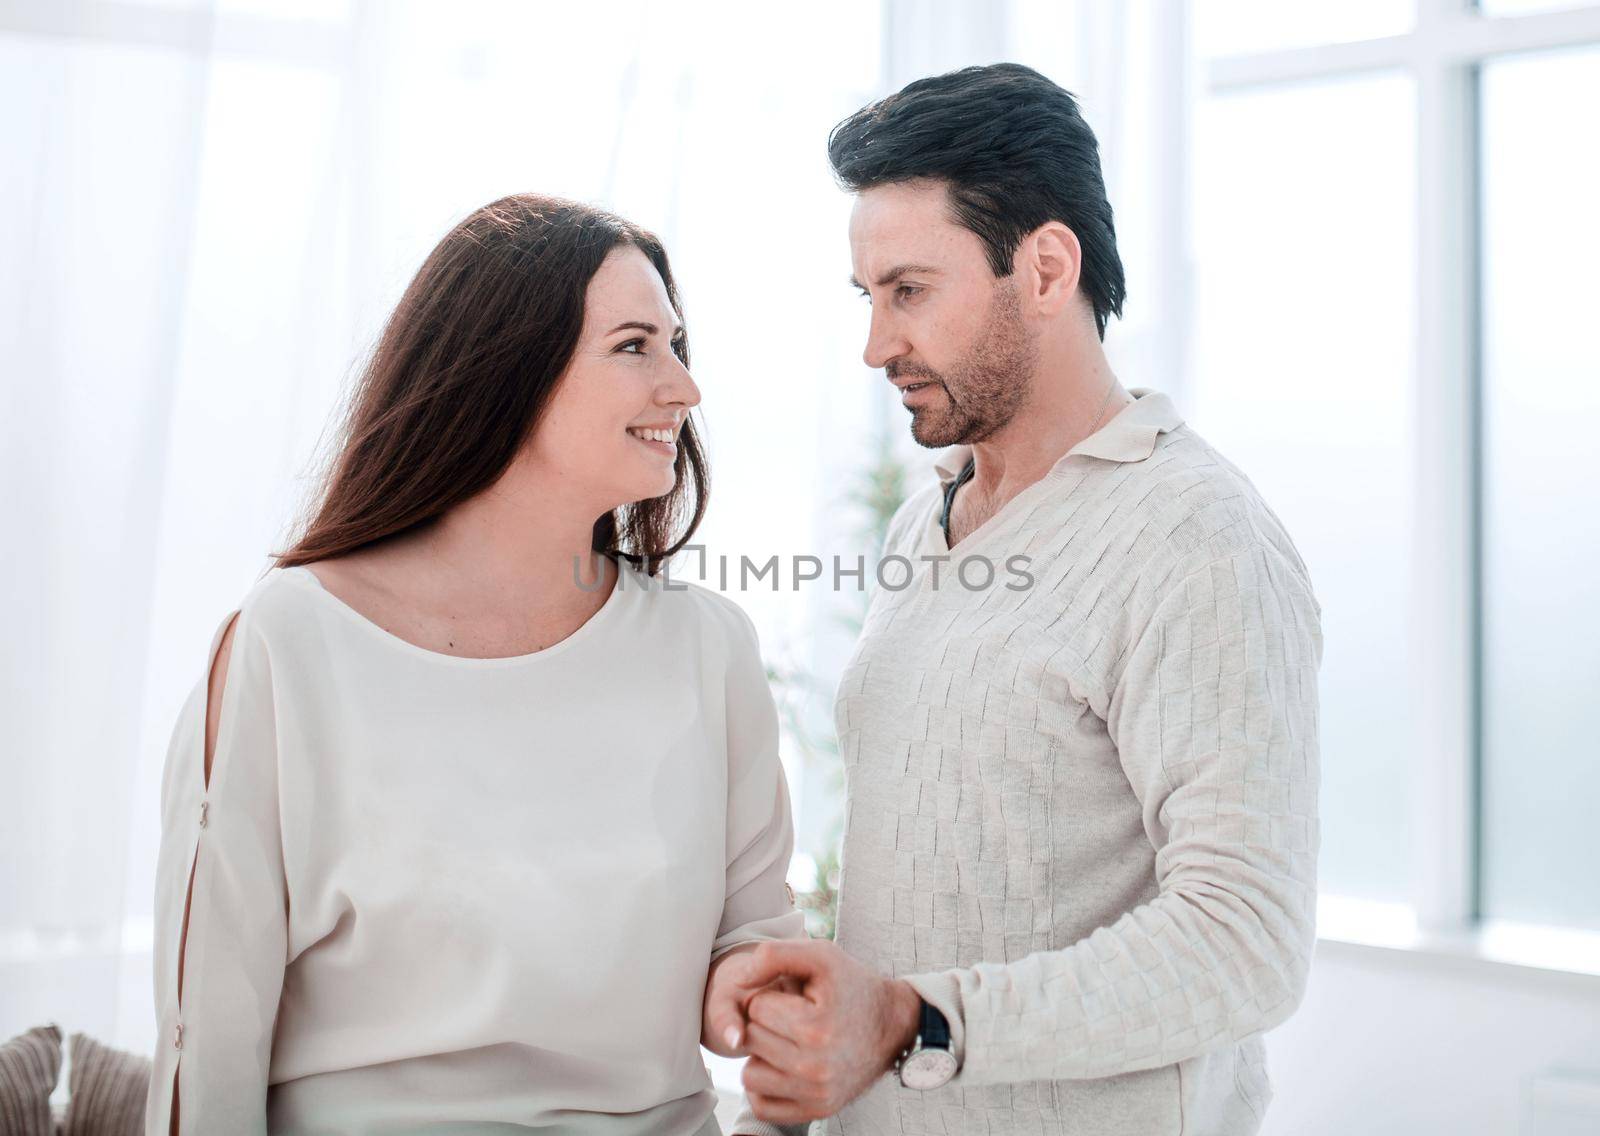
<point x="440" y="894"/>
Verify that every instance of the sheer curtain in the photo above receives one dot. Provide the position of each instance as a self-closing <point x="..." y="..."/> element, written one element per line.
<point x="209" y="210"/>
<point x="102" y="130"/>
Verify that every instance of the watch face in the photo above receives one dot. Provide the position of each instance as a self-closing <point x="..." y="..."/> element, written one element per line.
<point x="927" y="1069"/>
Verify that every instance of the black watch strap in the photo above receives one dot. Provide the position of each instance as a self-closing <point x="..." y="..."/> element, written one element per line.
<point x="933" y="1030"/>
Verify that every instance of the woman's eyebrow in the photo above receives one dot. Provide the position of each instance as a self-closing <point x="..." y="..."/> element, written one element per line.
<point x="645" y="326"/>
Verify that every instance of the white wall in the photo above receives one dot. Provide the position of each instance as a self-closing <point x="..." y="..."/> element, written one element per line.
<point x="1393" y="1043"/>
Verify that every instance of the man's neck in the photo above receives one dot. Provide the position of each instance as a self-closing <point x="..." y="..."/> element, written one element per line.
<point x="1064" y="408"/>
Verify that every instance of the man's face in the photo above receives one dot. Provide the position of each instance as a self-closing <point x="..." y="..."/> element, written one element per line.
<point x="948" y="334"/>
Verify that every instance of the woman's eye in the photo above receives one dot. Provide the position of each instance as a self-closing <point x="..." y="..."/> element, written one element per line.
<point x="639" y="343"/>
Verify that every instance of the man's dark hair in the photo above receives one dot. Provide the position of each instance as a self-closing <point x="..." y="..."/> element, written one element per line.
<point x="1014" y="152"/>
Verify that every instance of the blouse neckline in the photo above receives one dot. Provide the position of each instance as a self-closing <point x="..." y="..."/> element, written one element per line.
<point x="585" y="630"/>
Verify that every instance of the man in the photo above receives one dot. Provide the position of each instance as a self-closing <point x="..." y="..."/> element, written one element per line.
<point x="1081" y="827"/>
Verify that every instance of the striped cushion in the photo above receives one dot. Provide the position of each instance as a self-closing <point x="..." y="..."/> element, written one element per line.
<point x="108" y="1089"/>
<point x="29" y="1066"/>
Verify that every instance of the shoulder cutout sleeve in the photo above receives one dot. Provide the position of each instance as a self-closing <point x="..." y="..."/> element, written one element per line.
<point x="221" y="860"/>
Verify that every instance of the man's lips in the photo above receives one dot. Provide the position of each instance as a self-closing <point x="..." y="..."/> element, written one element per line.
<point x="912" y="393"/>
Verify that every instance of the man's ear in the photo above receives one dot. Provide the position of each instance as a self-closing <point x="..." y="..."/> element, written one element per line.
<point x="1049" y="261"/>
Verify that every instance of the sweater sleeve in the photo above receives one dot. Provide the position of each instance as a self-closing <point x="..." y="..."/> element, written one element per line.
<point x="221" y="852"/>
<point x="1214" y="715"/>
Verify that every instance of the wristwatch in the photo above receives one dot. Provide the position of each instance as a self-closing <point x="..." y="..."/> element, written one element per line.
<point x="928" y="1063"/>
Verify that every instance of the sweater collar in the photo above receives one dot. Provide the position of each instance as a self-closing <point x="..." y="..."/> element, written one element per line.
<point x="1129" y="437"/>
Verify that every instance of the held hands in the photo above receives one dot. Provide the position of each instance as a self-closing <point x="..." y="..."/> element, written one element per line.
<point x="818" y="1027"/>
<point x="730" y="984"/>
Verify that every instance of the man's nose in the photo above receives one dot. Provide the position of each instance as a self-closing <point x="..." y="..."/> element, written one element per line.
<point x="883" y="342"/>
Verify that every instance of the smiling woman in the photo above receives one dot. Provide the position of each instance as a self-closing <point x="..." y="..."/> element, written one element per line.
<point x="424" y="744"/>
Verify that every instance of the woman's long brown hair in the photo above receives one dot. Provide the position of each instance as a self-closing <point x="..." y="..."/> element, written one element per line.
<point x="463" y="372"/>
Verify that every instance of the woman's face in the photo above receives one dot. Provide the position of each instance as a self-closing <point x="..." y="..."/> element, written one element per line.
<point x="623" y="391"/>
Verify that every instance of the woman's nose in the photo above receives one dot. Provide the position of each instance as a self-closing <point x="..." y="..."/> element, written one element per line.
<point x="680" y="386"/>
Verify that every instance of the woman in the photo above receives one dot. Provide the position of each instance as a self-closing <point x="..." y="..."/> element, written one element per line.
<point x="472" y="797"/>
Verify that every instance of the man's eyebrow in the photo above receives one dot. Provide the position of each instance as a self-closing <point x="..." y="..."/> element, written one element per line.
<point x="895" y="273"/>
<point x="645" y="326"/>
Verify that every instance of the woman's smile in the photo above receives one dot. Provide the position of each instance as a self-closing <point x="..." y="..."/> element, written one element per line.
<point x="656" y="440"/>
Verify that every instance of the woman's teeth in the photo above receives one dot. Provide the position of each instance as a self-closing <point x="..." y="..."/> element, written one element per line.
<point x="654" y="435"/>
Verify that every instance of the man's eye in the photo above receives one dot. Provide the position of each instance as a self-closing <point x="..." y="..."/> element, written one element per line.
<point x="906" y="291"/>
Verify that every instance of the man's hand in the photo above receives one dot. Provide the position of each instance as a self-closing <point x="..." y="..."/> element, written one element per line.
<point x="729" y="988"/>
<point x="813" y="1052"/>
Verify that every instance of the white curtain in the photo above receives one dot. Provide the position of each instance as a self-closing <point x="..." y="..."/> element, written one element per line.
<point x="208" y="210"/>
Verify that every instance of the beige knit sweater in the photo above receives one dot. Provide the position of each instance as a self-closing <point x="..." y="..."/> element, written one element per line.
<point x="1082" y="814"/>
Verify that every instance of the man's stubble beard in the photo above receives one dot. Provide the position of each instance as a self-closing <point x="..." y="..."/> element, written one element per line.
<point x="984" y="391"/>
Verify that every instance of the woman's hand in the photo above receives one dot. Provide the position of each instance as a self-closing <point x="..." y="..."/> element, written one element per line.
<point x="728" y="992"/>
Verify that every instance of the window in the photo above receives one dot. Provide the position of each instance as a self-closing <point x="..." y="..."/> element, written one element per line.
<point x="1235" y="27"/>
<point x="1395" y="237"/>
<point x="1541" y="521"/>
